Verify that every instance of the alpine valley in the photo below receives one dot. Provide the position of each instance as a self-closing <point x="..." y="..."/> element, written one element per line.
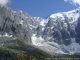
<point x="57" y="34"/>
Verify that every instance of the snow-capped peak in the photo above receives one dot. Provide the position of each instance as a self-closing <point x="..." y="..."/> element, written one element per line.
<point x="68" y="14"/>
<point x="58" y="27"/>
<point x="71" y="16"/>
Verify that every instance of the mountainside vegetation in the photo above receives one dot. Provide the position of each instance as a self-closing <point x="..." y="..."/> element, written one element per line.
<point x="13" y="50"/>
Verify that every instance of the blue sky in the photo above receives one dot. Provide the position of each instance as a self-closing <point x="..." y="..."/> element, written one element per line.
<point x="41" y="8"/>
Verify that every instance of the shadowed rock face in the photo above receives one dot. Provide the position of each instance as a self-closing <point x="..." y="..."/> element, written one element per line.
<point x="59" y="28"/>
<point x="78" y="31"/>
<point x="14" y="23"/>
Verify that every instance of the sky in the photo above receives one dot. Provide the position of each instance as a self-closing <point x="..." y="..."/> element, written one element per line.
<point x="42" y="8"/>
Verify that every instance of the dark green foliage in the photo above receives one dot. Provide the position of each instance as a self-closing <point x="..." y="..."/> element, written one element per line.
<point x="15" y="48"/>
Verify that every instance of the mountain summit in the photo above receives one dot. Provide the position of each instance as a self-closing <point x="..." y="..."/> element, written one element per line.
<point x="58" y="33"/>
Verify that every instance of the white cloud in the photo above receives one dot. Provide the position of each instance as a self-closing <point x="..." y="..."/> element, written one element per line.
<point x="73" y="2"/>
<point x="4" y="2"/>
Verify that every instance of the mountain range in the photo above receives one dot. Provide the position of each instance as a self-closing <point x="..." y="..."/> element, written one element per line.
<point x="58" y="33"/>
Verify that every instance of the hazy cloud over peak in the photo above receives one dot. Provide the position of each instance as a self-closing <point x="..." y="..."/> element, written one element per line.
<point x="4" y="2"/>
<point x="73" y="2"/>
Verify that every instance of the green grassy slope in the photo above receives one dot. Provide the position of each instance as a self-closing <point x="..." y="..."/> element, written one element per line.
<point x="15" y="48"/>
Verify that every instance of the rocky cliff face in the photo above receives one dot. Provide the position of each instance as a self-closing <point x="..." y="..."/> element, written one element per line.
<point x="14" y="23"/>
<point x="59" y="32"/>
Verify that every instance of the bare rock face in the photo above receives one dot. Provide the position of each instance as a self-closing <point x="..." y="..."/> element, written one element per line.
<point x="14" y="23"/>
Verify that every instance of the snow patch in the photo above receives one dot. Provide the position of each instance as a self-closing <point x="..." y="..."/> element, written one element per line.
<point x="73" y="47"/>
<point x="56" y="15"/>
<point x="21" y="11"/>
<point x="14" y="12"/>
<point x="21" y="22"/>
<point x="5" y="35"/>
<point x="26" y="17"/>
<point x="37" y="40"/>
<point x="42" y="23"/>
<point x="46" y="46"/>
<point x="65" y="25"/>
